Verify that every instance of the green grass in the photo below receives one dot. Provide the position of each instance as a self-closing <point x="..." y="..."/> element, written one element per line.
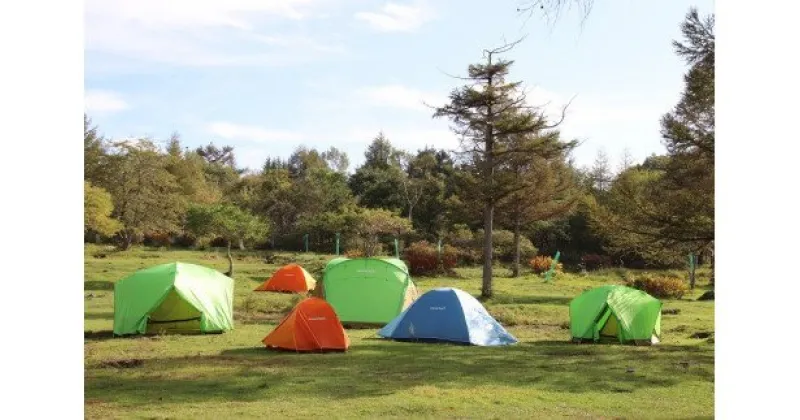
<point x="228" y="375"/>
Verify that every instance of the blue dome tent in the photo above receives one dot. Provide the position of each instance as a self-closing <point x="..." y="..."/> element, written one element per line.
<point x="447" y="314"/>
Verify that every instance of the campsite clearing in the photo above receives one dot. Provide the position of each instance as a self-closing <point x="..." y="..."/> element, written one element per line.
<point x="232" y="374"/>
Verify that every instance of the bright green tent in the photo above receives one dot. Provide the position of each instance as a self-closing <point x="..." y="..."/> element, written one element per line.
<point x="367" y="290"/>
<point x="616" y="312"/>
<point x="175" y="297"/>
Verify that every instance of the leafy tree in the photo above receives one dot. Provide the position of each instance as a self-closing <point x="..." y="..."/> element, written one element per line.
<point x="217" y="155"/>
<point x="486" y="114"/>
<point x="275" y="201"/>
<point x="275" y="163"/>
<point x="147" y="198"/>
<point x="188" y="168"/>
<point x="336" y="159"/>
<point x="381" y="154"/>
<point x="546" y="187"/>
<point x="226" y="221"/>
<point x="93" y="153"/>
<point x="97" y="209"/>
<point x="373" y="223"/>
<point x="304" y="160"/>
<point x="669" y="204"/>
<point x="378" y="183"/>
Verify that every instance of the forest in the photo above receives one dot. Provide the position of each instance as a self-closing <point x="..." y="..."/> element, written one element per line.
<point x="510" y="195"/>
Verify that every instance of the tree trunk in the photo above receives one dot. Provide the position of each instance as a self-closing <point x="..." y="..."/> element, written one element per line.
<point x="515" y="268"/>
<point x="241" y="244"/>
<point x="692" y="270"/>
<point x="127" y="241"/>
<point x="711" y="257"/>
<point x="488" y="218"/>
<point x="230" y="261"/>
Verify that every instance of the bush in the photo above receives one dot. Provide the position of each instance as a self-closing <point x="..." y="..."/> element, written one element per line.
<point x="422" y="258"/>
<point x="354" y="253"/>
<point x="503" y="243"/>
<point x="595" y="261"/>
<point x="470" y="256"/>
<point x="541" y="263"/>
<point x="660" y="286"/>
<point x="449" y="257"/>
<point x="185" y="241"/>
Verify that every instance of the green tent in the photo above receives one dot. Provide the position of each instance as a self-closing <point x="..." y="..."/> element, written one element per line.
<point x="176" y="298"/>
<point x="367" y="290"/>
<point x="616" y="312"/>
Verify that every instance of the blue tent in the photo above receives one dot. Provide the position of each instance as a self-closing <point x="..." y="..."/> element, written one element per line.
<point x="447" y="314"/>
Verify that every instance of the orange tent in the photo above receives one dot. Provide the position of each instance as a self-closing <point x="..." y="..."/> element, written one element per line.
<point x="289" y="278"/>
<point x="312" y="325"/>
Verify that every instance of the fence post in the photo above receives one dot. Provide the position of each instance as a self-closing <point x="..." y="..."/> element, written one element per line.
<point x="552" y="269"/>
<point x="337" y="243"/>
<point x="305" y="241"/>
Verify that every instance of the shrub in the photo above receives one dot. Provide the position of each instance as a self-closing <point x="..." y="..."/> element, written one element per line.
<point x="660" y="286"/>
<point x="185" y="240"/>
<point x="449" y="257"/>
<point x="354" y="253"/>
<point x="422" y="258"/>
<point x="460" y="236"/>
<point x="503" y="243"/>
<point x="595" y="261"/>
<point x="470" y="256"/>
<point x="541" y="263"/>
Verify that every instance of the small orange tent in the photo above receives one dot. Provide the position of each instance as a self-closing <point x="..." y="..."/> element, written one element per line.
<point x="289" y="278"/>
<point x="312" y="325"/>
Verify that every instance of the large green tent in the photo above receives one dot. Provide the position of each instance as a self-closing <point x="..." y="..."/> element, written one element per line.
<point x="616" y="312"/>
<point x="367" y="290"/>
<point x="175" y="297"/>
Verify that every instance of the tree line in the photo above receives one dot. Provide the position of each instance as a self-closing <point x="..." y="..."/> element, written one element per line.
<point x="509" y="192"/>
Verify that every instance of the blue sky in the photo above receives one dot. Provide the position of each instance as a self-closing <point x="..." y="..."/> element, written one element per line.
<point x="266" y="76"/>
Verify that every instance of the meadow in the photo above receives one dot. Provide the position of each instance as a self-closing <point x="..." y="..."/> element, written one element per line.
<point x="544" y="376"/>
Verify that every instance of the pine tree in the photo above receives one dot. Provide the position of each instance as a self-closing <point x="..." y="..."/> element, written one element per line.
<point x="487" y="113"/>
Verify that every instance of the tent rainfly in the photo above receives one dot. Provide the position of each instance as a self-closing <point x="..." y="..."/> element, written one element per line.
<point x="448" y="314"/>
<point x="615" y="312"/>
<point x="291" y="278"/>
<point x="369" y="291"/>
<point x="173" y="298"/>
<point x="311" y="326"/>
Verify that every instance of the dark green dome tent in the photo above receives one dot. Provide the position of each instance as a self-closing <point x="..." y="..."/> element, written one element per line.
<point x="370" y="291"/>
<point x="174" y="298"/>
<point x="616" y="312"/>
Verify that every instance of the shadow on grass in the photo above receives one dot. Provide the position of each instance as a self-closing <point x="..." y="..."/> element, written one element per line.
<point x="258" y="279"/>
<point x="98" y="315"/>
<point x="98" y="285"/>
<point x="383" y="368"/>
<point x="525" y="300"/>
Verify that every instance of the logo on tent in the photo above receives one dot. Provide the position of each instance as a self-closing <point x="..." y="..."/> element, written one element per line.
<point x="318" y="318"/>
<point x="438" y="308"/>
<point x="366" y="271"/>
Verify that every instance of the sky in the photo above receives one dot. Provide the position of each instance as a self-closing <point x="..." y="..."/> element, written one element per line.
<point x="267" y="76"/>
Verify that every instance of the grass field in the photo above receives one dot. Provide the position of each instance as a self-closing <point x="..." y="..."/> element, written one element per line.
<point x="232" y="375"/>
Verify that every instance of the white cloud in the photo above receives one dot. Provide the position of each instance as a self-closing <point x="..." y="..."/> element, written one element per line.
<point x="103" y="102"/>
<point x="231" y="131"/>
<point x="289" y="41"/>
<point x="195" y="32"/>
<point x="398" y="96"/>
<point x="395" y="17"/>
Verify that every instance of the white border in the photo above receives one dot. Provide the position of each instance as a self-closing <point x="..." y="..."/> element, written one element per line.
<point x="41" y="107"/>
